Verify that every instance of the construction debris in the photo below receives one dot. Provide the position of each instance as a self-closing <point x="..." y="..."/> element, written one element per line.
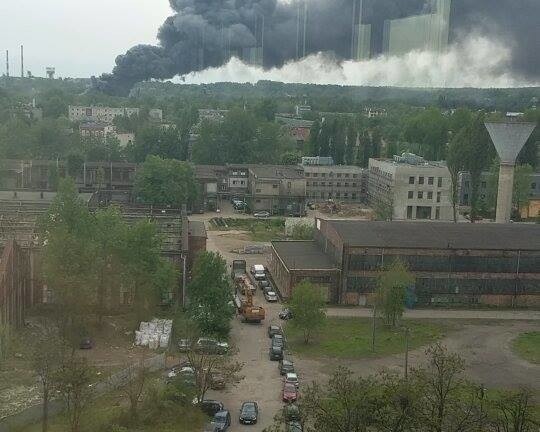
<point x="154" y="334"/>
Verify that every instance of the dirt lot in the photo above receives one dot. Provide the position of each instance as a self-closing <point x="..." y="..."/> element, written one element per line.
<point x="483" y="338"/>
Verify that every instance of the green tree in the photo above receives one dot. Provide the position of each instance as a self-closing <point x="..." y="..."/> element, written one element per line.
<point x="392" y="283"/>
<point x="165" y="182"/>
<point x="303" y="231"/>
<point x="307" y="304"/>
<point x="73" y="381"/>
<point x="209" y="294"/>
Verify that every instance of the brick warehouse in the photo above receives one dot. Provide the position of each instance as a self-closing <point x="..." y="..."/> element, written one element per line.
<point x="453" y="263"/>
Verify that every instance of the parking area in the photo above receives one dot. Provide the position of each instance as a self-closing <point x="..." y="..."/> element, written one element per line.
<point x="262" y="382"/>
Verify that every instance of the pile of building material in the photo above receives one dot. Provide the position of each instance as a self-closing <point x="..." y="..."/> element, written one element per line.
<point x="345" y="210"/>
<point x="154" y="334"/>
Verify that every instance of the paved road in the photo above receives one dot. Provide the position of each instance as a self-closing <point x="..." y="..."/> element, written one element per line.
<point x="262" y="382"/>
<point x="443" y="314"/>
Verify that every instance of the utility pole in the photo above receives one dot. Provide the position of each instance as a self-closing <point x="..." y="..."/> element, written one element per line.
<point x="373" y="328"/>
<point x="406" y="352"/>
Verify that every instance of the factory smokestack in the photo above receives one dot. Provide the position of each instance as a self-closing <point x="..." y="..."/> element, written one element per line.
<point x="509" y="137"/>
<point x="22" y="61"/>
<point x="7" y="63"/>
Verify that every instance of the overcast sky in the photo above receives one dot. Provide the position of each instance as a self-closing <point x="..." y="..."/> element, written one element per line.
<point x="80" y="38"/>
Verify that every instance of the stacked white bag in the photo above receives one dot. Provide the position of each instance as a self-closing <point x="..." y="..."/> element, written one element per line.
<point x="154" y="334"/>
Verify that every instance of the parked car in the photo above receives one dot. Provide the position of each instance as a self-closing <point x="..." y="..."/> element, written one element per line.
<point x="289" y="393"/>
<point x="249" y="413"/>
<point x="211" y="346"/>
<point x="267" y="290"/>
<point x="292" y="378"/>
<point x="291" y="412"/>
<point x="285" y="366"/>
<point x="86" y="343"/>
<point x="184" y="371"/>
<point x="220" y="422"/>
<point x="274" y="330"/>
<point x="217" y="381"/>
<point x="294" y="426"/>
<point x="286" y="314"/>
<point x="276" y="353"/>
<point x="258" y="271"/>
<point x="271" y="296"/>
<point x="262" y="214"/>
<point x="278" y="340"/>
<point x="211" y="407"/>
<point x="264" y="284"/>
<point x="184" y="345"/>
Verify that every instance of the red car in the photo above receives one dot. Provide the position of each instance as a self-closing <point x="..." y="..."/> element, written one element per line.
<point x="290" y="393"/>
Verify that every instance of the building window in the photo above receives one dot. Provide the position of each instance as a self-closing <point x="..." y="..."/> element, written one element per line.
<point x="430" y="195"/>
<point x="307" y="174"/>
<point x="258" y="190"/>
<point x="411" y="180"/>
<point x="411" y="195"/>
<point x="346" y="195"/>
<point x="338" y="184"/>
<point x="420" y="180"/>
<point x="338" y="175"/>
<point x="307" y="183"/>
<point x="274" y="186"/>
<point x="355" y="176"/>
<point x="438" y="213"/>
<point x="288" y="185"/>
<point x="329" y="195"/>
<point x="484" y="185"/>
<point x="323" y="183"/>
<point x="409" y="212"/>
<point x="315" y="184"/>
<point x="346" y="175"/>
<point x="430" y="180"/>
<point x="323" y="175"/>
<point x="258" y="201"/>
<point x="315" y="175"/>
<point x="438" y="197"/>
<point x="533" y="186"/>
<point x="353" y="196"/>
<point x="420" y="195"/>
<point x="346" y="184"/>
<point x="439" y="182"/>
<point x="331" y="174"/>
<point x="330" y="184"/>
<point x="338" y="194"/>
<point x="354" y="185"/>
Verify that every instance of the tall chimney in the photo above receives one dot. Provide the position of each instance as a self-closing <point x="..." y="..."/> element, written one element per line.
<point x="22" y="61"/>
<point x="509" y="137"/>
<point x="7" y="63"/>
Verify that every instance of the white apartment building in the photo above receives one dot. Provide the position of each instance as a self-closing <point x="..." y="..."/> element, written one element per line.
<point x="107" y="114"/>
<point x="416" y="189"/>
<point x="344" y="183"/>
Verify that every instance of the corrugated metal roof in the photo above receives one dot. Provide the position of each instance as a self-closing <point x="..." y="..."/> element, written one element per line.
<point x="435" y="235"/>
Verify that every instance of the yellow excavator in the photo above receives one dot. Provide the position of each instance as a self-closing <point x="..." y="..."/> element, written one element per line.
<point x="246" y="308"/>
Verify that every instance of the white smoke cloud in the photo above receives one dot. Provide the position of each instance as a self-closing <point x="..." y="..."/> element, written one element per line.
<point x="476" y="62"/>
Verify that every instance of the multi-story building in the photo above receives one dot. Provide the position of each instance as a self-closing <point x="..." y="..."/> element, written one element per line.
<point x="96" y="129"/>
<point x="335" y="182"/>
<point x="411" y="188"/>
<point x="279" y="189"/>
<point x="463" y="263"/>
<point x="108" y="114"/>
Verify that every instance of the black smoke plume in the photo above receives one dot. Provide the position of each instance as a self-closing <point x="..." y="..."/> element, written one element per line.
<point x="206" y="33"/>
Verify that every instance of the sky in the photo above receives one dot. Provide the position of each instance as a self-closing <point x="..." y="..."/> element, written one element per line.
<point x="79" y="38"/>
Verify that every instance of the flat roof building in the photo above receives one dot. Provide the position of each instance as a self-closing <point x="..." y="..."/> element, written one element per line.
<point x="452" y="263"/>
<point x="410" y="188"/>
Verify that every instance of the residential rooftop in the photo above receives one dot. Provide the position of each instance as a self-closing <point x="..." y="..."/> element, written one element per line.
<point x="277" y="171"/>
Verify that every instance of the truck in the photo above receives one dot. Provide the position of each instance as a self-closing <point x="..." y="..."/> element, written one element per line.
<point x="238" y="269"/>
<point x="246" y="308"/>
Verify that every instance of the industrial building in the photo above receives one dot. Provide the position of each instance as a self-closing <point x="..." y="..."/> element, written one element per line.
<point x="421" y="32"/>
<point x="493" y="264"/>
<point x="411" y="188"/>
<point x="345" y="183"/>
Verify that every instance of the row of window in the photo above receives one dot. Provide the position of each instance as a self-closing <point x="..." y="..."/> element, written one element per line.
<point x="421" y="194"/>
<point x="430" y="180"/>
<point x="330" y="195"/>
<point x="331" y="184"/>
<point x="338" y="175"/>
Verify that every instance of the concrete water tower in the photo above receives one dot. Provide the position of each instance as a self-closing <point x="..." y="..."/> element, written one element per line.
<point x="509" y="137"/>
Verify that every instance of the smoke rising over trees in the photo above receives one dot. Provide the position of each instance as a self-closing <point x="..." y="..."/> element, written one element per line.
<point x="207" y="33"/>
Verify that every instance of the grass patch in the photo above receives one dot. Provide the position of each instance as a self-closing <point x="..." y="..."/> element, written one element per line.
<point x="351" y="338"/>
<point x="260" y="230"/>
<point x="527" y="346"/>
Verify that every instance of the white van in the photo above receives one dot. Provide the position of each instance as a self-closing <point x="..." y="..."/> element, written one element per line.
<point x="258" y="272"/>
